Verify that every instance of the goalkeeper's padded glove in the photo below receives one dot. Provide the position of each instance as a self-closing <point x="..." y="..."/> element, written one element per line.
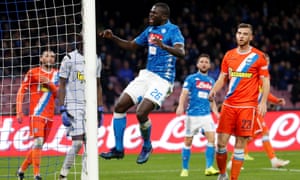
<point x="65" y="116"/>
<point x="100" y="116"/>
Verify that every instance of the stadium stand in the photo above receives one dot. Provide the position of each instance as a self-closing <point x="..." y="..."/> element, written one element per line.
<point x="276" y="27"/>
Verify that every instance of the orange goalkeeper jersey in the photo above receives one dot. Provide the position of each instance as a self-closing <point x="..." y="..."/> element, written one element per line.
<point x="41" y="95"/>
<point x="244" y="72"/>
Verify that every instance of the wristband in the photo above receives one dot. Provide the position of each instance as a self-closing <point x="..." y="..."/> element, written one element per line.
<point x="62" y="109"/>
<point x="100" y="108"/>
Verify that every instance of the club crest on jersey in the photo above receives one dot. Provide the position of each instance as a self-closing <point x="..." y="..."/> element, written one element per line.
<point x="203" y="85"/>
<point x="44" y="88"/>
<point x="153" y="36"/>
<point x="80" y="76"/>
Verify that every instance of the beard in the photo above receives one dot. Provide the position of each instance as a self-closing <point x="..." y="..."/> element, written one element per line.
<point x="242" y="43"/>
<point x="203" y="71"/>
<point x="48" y="65"/>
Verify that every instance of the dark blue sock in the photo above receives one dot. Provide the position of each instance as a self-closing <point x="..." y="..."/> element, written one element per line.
<point x="119" y="127"/>
<point x="146" y="133"/>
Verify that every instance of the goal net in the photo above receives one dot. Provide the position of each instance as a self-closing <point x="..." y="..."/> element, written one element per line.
<point x="27" y="28"/>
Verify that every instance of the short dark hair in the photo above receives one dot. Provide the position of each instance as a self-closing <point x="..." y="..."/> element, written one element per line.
<point x="165" y="8"/>
<point x="204" y="55"/>
<point x="245" y="25"/>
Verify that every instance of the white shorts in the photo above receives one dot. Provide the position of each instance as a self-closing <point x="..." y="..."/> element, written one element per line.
<point x="77" y="122"/>
<point x="194" y="123"/>
<point x="150" y="86"/>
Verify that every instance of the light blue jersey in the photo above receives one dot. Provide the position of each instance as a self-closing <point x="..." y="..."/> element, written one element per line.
<point x="160" y="61"/>
<point x="199" y="86"/>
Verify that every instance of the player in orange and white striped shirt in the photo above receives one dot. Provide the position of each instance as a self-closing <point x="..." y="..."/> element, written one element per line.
<point x="244" y="67"/>
<point x="41" y="84"/>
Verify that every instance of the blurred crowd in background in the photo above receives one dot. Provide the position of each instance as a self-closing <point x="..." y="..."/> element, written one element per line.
<point x="208" y="27"/>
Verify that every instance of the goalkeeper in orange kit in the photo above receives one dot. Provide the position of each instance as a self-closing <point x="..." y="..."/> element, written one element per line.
<point x="41" y="84"/>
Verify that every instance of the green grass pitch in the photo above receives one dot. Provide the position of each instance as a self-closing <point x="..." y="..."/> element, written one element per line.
<point x="159" y="167"/>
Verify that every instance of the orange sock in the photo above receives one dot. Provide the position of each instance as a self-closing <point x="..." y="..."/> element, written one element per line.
<point x="236" y="168"/>
<point x="269" y="149"/>
<point x="36" y="160"/>
<point x="27" y="161"/>
<point x="221" y="159"/>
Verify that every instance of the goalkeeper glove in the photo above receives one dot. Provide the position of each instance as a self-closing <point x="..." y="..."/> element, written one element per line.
<point x="65" y="116"/>
<point x="100" y="116"/>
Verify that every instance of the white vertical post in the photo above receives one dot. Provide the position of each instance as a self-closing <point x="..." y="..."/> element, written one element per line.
<point x="89" y="46"/>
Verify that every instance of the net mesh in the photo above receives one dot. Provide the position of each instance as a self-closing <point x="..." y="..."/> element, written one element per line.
<point x="27" y="28"/>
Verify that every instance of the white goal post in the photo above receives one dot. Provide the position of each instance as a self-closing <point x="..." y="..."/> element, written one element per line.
<point x="89" y="42"/>
<point x="27" y="29"/>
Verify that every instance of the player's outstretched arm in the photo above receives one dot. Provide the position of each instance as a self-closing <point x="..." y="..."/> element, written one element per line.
<point x="125" y="44"/>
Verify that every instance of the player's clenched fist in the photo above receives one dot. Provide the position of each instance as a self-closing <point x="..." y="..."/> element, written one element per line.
<point x="107" y="33"/>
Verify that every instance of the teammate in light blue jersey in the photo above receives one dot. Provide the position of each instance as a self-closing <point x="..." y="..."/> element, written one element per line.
<point x="195" y="91"/>
<point x="150" y="88"/>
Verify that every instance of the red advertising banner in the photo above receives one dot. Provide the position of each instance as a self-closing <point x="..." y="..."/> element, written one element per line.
<point x="167" y="135"/>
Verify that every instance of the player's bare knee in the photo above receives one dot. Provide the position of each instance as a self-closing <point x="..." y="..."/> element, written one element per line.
<point x="141" y="116"/>
<point x="119" y="108"/>
<point x="38" y="143"/>
<point x="188" y="141"/>
<point x="221" y="146"/>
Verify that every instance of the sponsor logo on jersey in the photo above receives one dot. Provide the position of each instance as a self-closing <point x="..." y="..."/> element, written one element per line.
<point x="239" y="74"/>
<point x="203" y="85"/>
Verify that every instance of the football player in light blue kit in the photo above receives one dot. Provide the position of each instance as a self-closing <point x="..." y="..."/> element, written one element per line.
<point x="195" y="91"/>
<point x="150" y="88"/>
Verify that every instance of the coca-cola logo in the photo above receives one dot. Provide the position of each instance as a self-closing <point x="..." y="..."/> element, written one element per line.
<point x="167" y="135"/>
<point x="284" y="131"/>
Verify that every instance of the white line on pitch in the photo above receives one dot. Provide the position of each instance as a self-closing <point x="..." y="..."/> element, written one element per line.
<point x="144" y="171"/>
<point x="281" y="169"/>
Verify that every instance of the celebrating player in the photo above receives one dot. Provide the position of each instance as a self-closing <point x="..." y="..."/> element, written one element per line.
<point x="244" y="67"/>
<point x="41" y="83"/>
<point x="165" y="43"/>
<point x="196" y="88"/>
